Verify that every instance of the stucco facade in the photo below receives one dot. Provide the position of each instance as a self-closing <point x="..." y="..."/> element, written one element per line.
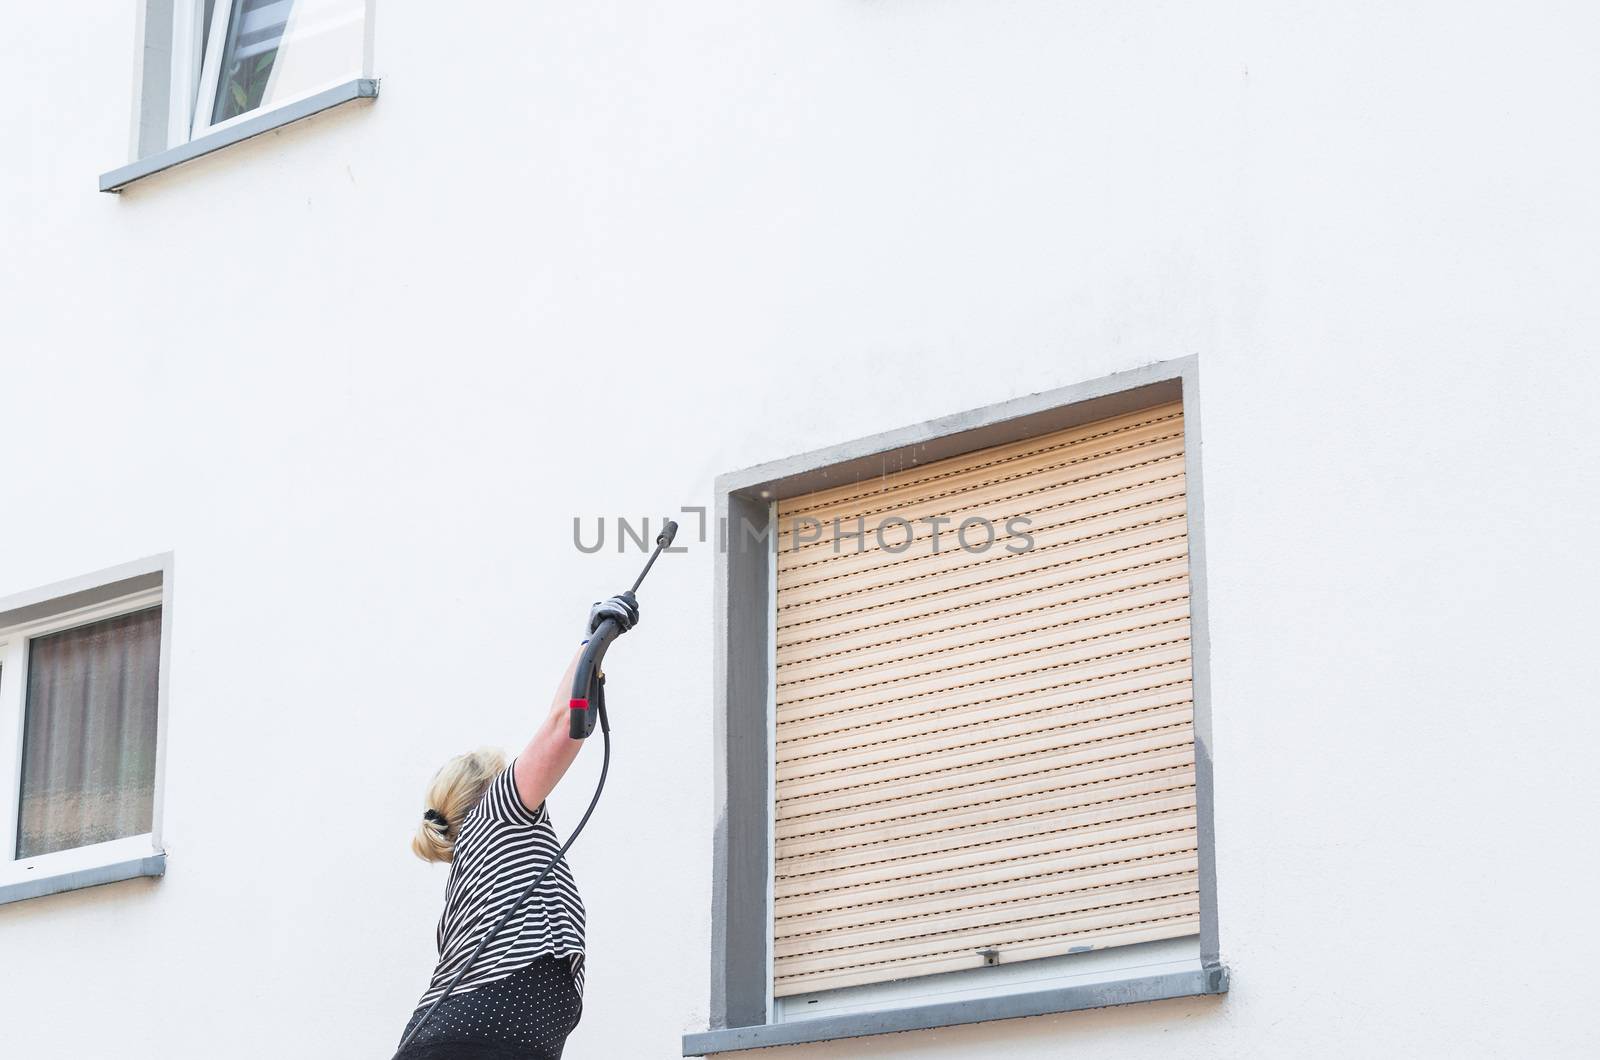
<point x="360" y="376"/>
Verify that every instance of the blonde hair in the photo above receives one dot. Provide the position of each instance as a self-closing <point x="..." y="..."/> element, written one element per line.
<point x="454" y="790"/>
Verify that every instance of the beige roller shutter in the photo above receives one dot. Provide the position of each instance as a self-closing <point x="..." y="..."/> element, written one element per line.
<point x="989" y="751"/>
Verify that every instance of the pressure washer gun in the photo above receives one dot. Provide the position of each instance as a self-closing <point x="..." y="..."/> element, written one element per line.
<point x="589" y="682"/>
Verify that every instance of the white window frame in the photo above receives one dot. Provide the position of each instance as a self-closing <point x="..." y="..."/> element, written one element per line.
<point x="138" y="855"/>
<point x="188" y="22"/>
<point x="173" y="101"/>
<point x="197" y="67"/>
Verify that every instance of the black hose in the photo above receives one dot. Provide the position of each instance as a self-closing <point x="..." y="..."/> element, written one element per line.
<point x="605" y="766"/>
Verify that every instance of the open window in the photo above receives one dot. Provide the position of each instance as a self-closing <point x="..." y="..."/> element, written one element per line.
<point x="963" y="722"/>
<point x="261" y="54"/>
<point x="212" y="72"/>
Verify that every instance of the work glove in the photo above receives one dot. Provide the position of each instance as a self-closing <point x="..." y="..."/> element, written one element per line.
<point x="622" y="607"/>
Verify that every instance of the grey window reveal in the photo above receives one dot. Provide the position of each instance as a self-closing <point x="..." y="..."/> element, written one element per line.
<point x="251" y="48"/>
<point x="89" y="734"/>
<point x="758" y="997"/>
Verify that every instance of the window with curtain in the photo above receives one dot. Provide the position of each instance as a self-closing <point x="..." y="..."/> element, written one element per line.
<point x="89" y="734"/>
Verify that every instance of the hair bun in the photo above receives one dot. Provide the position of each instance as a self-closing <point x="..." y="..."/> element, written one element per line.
<point x="451" y="795"/>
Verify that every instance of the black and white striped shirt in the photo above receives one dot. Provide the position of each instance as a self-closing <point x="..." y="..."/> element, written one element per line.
<point x="500" y="847"/>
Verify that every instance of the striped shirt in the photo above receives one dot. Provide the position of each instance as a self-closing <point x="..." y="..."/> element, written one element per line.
<point x="500" y="847"/>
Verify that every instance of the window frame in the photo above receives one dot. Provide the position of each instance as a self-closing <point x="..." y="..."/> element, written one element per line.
<point x="53" y="609"/>
<point x="210" y="72"/>
<point x="743" y="1013"/>
<point x="204" y="85"/>
<point x="188" y="53"/>
<point x="171" y="32"/>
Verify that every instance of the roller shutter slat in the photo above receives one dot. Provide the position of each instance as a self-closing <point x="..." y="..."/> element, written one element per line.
<point x="1162" y="924"/>
<point x="981" y="766"/>
<point x="968" y="650"/>
<point x="825" y="864"/>
<point x="1019" y="749"/>
<point x="805" y="735"/>
<point x="896" y="911"/>
<point x="888" y="809"/>
<point x="1075" y="617"/>
<point x="1096" y="491"/>
<point x="804" y="624"/>
<point x="1067" y="913"/>
<point x="1063" y="602"/>
<point x="996" y="910"/>
<point x="1175" y="911"/>
<point x="989" y="751"/>
<point x="1113" y="843"/>
<point x="980" y="727"/>
<point x="928" y="479"/>
<point x="914" y="573"/>
<point x="1063" y="813"/>
<point x="903" y="603"/>
<point x="1001" y="679"/>
<point x="1019" y="743"/>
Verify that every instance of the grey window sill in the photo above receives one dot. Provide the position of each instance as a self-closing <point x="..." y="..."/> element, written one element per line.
<point x="131" y="869"/>
<point x="277" y="118"/>
<point x="949" y="1014"/>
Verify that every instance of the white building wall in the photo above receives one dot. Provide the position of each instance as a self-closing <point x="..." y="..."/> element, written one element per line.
<point x="360" y="375"/>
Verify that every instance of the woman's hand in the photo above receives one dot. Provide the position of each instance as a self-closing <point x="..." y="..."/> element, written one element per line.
<point x="623" y="608"/>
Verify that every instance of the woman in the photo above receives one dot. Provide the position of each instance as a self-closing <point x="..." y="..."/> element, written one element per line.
<point x="524" y="994"/>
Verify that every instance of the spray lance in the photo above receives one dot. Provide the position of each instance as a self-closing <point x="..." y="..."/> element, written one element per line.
<point x="588" y="682"/>
<point x="588" y="705"/>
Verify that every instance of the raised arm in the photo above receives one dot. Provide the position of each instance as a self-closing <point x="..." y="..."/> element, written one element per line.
<point x="545" y="760"/>
<point x="542" y="764"/>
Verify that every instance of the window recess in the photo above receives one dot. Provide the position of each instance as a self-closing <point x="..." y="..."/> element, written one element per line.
<point x="214" y="72"/>
<point x="974" y="652"/>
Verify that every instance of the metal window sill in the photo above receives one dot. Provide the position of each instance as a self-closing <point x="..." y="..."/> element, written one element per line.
<point x="948" y="1014"/>
<point x="90" y="876"/>
<point x="277" y="118"/>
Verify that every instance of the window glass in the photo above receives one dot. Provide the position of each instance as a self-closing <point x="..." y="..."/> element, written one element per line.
<point x="277" y="50"/>
<point x="89" y="734"/>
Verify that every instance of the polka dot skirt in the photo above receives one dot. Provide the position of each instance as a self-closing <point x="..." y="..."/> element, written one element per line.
<point x="526" y="1016"/>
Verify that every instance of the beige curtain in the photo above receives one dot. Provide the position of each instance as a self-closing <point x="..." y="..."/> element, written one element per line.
<point x="89" y="737"/>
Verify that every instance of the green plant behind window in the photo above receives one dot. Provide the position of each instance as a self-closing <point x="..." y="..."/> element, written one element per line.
<point x="244" y="85"/>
